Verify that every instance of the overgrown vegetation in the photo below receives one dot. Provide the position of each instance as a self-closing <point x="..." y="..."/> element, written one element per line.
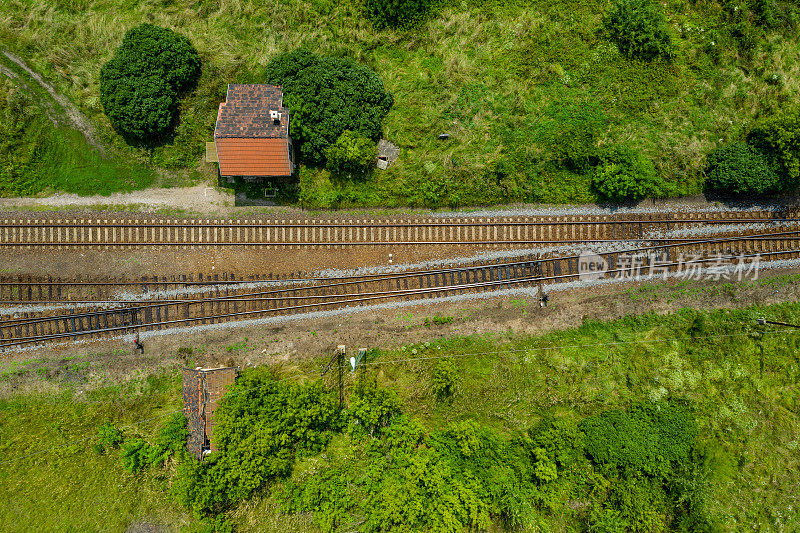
<point x="510" y="82"/>
<point x="396" y="13"/>
<point x="39" y="153"/>
<point x="639" y="29"/>
<point x="648" y="423"/>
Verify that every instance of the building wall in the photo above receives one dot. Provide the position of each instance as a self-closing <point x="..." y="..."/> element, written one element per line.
<point x="202" y="391"/>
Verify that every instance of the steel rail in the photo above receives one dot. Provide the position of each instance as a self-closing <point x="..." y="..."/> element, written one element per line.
<point x="15" y="322"/>
<point x="370" y="278"/>
<point x="394" y="276"/>
<point x="365" y="224"/>
<point x="361" y="298"/>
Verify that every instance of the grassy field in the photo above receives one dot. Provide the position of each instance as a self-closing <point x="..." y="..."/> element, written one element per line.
<point x="41" y="152"/>
<point x="498" y="76"/>
<point x="741" y="379"/>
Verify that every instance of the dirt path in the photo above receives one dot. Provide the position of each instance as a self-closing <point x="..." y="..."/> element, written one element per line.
<point x="200" y="198"/>
<point x="77" y="119"/>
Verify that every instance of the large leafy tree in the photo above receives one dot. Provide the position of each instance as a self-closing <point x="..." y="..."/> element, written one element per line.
<point x="139" y="86"/>
<point x="327" y="96"/>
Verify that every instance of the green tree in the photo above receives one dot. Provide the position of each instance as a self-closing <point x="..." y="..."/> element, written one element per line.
<point x="396" y="13"/>
<point x="139" y="109"/>
<point x="139" y="86"/>
<point x="778" y="138"/>
<point x="260" y="427"/>
<point x="327" y="96"/>
<point x="639" y="29"/>
<point x="741" y="169"/>
<point x="625" y="174"/>
<point x="352" y="153"/>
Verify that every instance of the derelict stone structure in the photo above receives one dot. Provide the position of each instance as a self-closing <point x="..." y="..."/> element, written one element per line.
<point x="203" y="388"/>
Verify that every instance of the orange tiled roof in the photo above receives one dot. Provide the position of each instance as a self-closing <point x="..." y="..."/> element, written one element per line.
<point x="253" y="157"/>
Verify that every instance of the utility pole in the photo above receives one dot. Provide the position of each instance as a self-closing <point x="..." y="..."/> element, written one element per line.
<point x="340" y="351"/>
<point x="338" y="359"/>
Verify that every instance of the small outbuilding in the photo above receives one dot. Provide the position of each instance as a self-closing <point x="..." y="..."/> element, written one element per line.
<point x="251" y="138"/>
<point x="203" y="388"/>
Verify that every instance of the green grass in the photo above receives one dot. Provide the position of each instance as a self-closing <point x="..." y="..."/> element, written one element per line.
<point x="72" y="488"/>
<point x="38" y="156"/>
<point x="743" y="383"/>
<point x="483" y="71"/>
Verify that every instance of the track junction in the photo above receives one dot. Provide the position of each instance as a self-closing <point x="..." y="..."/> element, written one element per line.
<point x="43" y="310"/>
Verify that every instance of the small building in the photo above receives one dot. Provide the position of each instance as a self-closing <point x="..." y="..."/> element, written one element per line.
<point x="202" y="390"/>
<point x="251" y="138"/>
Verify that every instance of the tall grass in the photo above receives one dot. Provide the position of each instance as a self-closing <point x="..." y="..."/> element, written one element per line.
<point x="525" y="54"/>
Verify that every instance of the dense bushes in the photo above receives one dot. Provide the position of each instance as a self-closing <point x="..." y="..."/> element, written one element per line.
<point x="139" y="86"/>
<point x="327" y="96"/>
<point x="769" y="160"/>
<point x="778" y="138"/>
<point x="648" y="438"/>
<point x="740" y="168"/>
<point x="639" y="29"/>
<point x="137" y="453"/>
<point x="625" y="174"/>
<point x="395" y="13"/>
<point x="466" y="475"/>
<point x="261" y="426"/>
<point x="350" y="154"/>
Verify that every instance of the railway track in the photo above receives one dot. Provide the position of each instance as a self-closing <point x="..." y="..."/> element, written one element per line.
<point x="463" y="231"/>
<point x="235" y="301"/>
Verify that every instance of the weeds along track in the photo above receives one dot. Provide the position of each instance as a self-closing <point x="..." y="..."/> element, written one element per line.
<point x="500" y="231"/>
<point x="232" y="300"/>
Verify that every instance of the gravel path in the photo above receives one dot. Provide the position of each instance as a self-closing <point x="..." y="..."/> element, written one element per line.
<point x="199" y="198"/>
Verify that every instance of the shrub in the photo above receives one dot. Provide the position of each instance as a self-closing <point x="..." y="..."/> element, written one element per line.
<point x="139" y="86"/>
<point x="109" y="437"/>
<point x="396" y="13"/>
<point x="625" y="174"/>
<point x="372" y="408"/>
<point x="327" y="96"/>
<point x="570" y="131"/>
<point x="639" y="29"/>
<point x="171" y="440"/>
<point x="260" y="427"/>
<point x="135" y="454"/>
<point x="778" y="138"/>
<point x="444" y="379"/>
<point x="352" y="153"/>
<point x="739" y="168"/>
<point x="648" y="438"/>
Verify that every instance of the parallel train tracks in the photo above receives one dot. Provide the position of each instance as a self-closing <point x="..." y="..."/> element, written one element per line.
<point x="234" y="300"/>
